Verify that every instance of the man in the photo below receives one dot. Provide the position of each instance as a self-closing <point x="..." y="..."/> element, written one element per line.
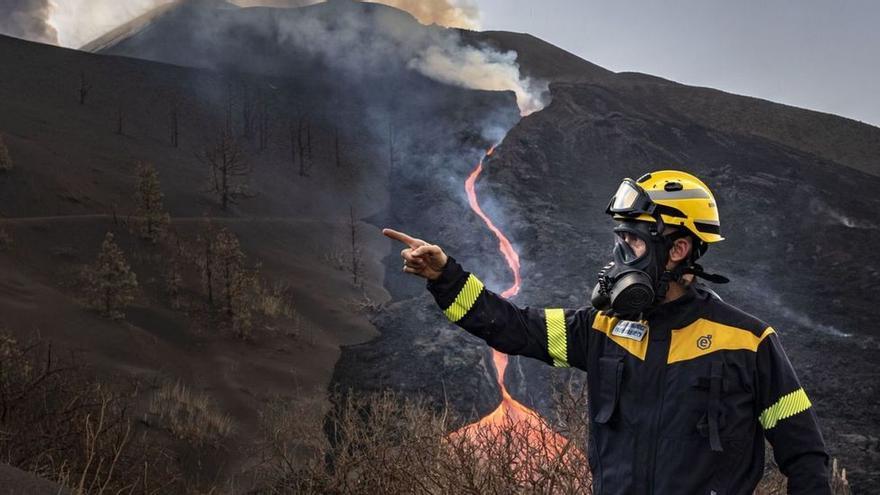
<point x="683" y="387"/>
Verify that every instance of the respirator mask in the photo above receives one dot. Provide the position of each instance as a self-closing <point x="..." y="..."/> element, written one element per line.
<point x="635" y="282"/>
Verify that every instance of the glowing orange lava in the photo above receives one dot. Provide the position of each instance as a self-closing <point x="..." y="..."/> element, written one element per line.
<point x="511" y="418"/>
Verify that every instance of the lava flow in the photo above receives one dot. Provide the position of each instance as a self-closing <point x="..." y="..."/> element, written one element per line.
<point x="511" y="421"/>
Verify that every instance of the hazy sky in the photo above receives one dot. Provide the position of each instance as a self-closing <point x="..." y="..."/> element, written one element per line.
<point x="821" y="55"/>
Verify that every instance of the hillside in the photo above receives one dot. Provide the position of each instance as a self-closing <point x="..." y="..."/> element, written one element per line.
<point x="73" y="179"/>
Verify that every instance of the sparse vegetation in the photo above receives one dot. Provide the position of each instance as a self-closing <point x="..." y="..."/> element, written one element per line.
<point x="111" y="284"/>
<point x="151" y="216"/>
<point x="228" y="169"/>
<point x="387" y="443"/>
<point x="5" y="159"/>
<point x="228" y="280"/>
<point x="190" y="416"/>
<point x="238" y="283"/>
<point x="274" y="302"/>
<point x="60" y="424"/>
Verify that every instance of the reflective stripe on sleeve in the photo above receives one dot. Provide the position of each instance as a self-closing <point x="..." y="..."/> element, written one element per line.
<point x="557" y="343"/>
<point x="788" y="405"/>
<point x="465" y="299"/>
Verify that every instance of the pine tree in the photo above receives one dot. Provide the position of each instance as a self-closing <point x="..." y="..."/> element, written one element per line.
<point x="148" y="196"/>
<point x="5" y="159"/>
<point x="237" y="281"/>
<point x="112" y="285"/>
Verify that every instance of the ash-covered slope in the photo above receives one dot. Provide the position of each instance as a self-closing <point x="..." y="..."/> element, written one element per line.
<point x="73" y="180"/>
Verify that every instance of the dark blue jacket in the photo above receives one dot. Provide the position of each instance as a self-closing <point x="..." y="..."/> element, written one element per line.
<point x="680" y="403"/>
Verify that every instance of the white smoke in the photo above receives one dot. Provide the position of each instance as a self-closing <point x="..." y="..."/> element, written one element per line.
<point x="28" y="19"/>
<point x="850" y="222"/>
<point x="482" y="69"/>
<point x="462" y="14"/>
<point x="81" y="21"/>
<point x="435" y="52"/>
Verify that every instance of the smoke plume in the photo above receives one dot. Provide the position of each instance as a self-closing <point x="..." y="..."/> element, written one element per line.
<point x="441" y="12"/>
<point x="28" y="19"/>
<point x="434" y="51"/>
<point x="481" y="69"/>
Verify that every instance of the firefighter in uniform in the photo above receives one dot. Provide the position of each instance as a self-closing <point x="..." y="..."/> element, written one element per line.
<point x="683" y="387"/>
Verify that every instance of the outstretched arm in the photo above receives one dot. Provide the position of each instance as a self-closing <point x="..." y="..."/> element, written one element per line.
<point x="555" y="336"/>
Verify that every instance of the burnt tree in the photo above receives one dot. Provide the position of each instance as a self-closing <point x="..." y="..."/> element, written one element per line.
<point x="356" y="267"/>
<point x="174" y="119"/>
<point x="84" y="88"/>
<point x="301" y="145"/>
<point x="228" y="169"/>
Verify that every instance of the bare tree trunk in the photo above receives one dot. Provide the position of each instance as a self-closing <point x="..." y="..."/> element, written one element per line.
<point x="336" y="145"/>
<point x="247" y="111"/>
<point x="120" y="117"/>
<point x="225" y="185"/>
<point x="229" y="104"/>
<point x="263" y="123"/>
<point x="174" y="120"/>
<point x="291" y="130"/>
<point x="209" y="274"/>
<point x="84" y="88"/>
<point x="301" y="144"/>
<point x="355" y="252"/>
<point x="390" y="146"/>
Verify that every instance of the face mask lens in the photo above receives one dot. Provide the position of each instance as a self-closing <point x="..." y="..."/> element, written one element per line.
<point x="628" y="251"/>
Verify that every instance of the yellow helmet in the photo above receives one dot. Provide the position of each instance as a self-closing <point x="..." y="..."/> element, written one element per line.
<point x="676" y="198"/>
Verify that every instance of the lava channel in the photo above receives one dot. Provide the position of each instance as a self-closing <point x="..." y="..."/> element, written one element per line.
<point x="511" y="425"/>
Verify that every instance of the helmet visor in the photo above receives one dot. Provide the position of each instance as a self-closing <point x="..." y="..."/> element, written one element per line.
<point x="630" y="199"/>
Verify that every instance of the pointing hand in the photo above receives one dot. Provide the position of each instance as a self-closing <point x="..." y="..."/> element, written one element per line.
<point x="419" y="257"/>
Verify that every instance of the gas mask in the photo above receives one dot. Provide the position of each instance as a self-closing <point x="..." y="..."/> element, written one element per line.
<point x="632" y="284"/>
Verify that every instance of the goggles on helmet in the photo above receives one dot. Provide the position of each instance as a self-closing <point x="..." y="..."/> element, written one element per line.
<point x="630" y="200"/>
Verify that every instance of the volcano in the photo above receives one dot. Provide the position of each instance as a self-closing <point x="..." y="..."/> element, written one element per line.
<point x="393" y="145"/>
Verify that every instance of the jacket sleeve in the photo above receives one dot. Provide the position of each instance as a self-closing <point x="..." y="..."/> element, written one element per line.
<point x="789" y="421"/>
<point x="555" y="336"/>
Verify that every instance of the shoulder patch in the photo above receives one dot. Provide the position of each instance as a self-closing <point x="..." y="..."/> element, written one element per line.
<point x="705" y="337"/>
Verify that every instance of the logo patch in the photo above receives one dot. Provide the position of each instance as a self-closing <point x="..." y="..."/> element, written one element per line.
<point x="630" y="330"/>
<point x="704" y="342"/>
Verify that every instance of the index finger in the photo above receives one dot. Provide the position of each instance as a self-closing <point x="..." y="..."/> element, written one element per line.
<point x="400" y="236"/>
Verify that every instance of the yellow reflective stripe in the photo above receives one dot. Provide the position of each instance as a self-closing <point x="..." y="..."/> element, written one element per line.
<point x="557" y="341"/>
<point x="465" y="299"/>
<point x="788" y="405"/>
